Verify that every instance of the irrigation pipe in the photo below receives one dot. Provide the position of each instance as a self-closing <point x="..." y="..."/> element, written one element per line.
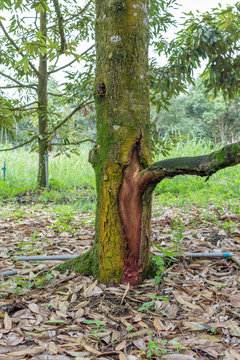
<point x="223" y="255"/>
<point x="45" y="257"/>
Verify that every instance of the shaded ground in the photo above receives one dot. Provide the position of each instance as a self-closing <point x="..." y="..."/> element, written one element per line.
<point x="193" y="314"/>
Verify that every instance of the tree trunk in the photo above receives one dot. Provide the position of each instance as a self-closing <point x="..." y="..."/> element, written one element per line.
<point x="122" y="107"/>
<point x="121" y="158"/>
<point x="42" y="105"/>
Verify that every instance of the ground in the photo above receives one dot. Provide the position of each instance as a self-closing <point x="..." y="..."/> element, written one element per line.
<point x="192" y="314"/>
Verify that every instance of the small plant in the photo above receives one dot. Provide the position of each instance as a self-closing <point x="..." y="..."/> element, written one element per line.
<point x="98" y="328"/>
<point x="152" y="349"/>
<point x="21" y="285"/>
<point x="213" y="330"/>
<point x="177" y="345"/>
<point x="64" y="223"/>
<point x="149" y="304"/>
<point x="229" y="226"/>
<point x="160" y="261"/>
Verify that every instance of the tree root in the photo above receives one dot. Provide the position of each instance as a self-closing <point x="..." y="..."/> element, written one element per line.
<point x="83" y="264"/>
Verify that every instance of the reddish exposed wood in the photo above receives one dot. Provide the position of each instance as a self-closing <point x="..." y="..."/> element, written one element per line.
<point x="130" y="208"/>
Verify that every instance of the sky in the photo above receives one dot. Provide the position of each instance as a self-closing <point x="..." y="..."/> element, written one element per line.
<point x="203" y="5"/>
<point x="194" y="5"/>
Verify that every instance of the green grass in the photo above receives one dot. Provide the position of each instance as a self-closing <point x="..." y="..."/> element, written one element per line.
<point x="223" y="187"/>
<point x="72" y="181"/>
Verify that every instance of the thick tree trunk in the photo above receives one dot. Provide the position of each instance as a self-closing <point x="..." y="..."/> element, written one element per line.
<point x="121" y="251"/>
<point x="42" y="106"/>
<point x="122" y="106"/>
<point x="121" y="158"/>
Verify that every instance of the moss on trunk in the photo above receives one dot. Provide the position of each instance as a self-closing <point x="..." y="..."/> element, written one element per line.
<point x="121" y="158"/>
<point x="123" y="139"/>
<point x="83" y="264"/>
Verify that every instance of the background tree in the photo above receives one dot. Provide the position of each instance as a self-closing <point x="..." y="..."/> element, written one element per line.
<point x="216" y="120"/>
<point x="29" y="35"/>
<point x="121" y="159"/>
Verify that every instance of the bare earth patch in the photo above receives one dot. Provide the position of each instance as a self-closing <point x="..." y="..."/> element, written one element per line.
<point x="193" y="314"/>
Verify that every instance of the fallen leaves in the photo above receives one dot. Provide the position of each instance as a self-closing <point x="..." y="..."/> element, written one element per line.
<point x="193" y="314"/>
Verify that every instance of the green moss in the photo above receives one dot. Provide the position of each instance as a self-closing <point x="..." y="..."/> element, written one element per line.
<point x="117" y="8"/>
<point x="235" y="148"/>
<point x="83" y="264"/>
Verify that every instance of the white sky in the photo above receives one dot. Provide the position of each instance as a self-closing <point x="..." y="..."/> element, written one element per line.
<point x="194" y="5"/>
<point x="203" y="5"/>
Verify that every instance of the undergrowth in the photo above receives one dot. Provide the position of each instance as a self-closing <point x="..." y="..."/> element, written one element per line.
<point x="72" y="182"/>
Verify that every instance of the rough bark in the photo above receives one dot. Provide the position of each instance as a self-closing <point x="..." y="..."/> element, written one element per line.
<point x="122" y="107"/>
<point x="121" y="158"/>
<point x="42" y="106"/>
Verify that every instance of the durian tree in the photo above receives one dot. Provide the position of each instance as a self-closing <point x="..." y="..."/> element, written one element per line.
<point x="125" y="176"/>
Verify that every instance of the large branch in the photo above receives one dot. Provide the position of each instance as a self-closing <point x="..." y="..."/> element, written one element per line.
<point x="204" y="165"/>
<point x="17" y="47"/>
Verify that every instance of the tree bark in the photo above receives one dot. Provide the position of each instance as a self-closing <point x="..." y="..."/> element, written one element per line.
<point x="121" y="158"/>
<point x="42" y="105"/>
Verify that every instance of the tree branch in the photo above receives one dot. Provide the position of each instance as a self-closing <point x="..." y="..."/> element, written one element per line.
<point x="17" y="47"/>
<point x="79" y="13"/>
<point x="71" y="62"/>
<point x="32" y="86"/>
<point x="75" y="15"/>
<point x="67" y="118"/>
<point x="74" y="143"/>
<point x="79" y="107"/>
<point x="204" y="165"/>
<point x="59" y="95"/>
<point x="60" y="26"/>
<point x="22" y="144"/>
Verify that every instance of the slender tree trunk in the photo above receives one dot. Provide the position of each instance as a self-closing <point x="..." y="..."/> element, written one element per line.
<point x="42" y="105"/>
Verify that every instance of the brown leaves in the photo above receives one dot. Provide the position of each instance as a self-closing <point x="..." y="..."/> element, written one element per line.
<point x="75" y="317"/>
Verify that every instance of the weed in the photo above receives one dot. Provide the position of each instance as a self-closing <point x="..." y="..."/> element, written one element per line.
<point x="21" y="284"/>
<point x="99" y="328"/>
<point x="152" y="349"/>
<point x="153" y="303"/>
<point x="162" y="261"/>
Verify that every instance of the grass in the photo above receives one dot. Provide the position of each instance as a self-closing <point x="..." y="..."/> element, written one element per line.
<point x="181" y="191"/>
<point x="72" y="183"/>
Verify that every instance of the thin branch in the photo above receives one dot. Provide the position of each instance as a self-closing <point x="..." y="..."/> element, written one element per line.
<point x="68" y="117"/>
<point x="74" y="143"/>
<point x="79" y="107"/>
<point x="73" y="16"/>
<point x="32" y="86"/>
<point x="60" y="26"/>
<point x="71" y="62"/>
<point x="17" y="47"/>
<point x="17" y="86"/>
<point x="62" y="67"/>
<point x="19" y="109"/>
<point x="204" y="165"/>
<point x="80" y="12"/>
<point x="52" y="94"/>
<point x="22" y="144"/>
